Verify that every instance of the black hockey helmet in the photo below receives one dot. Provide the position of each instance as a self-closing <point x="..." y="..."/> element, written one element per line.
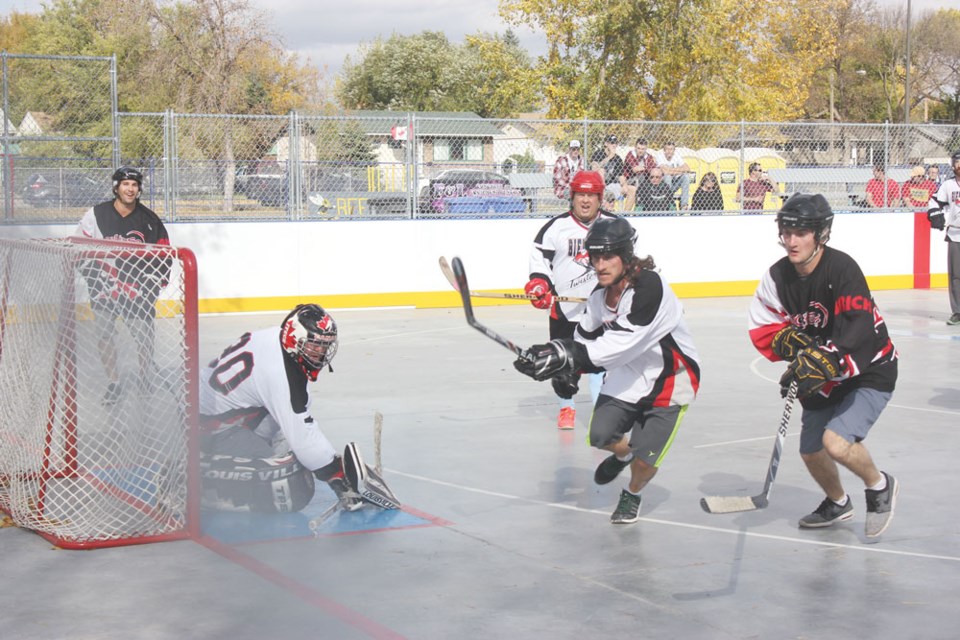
<point x="309" y="335"/>
<point x="806" y="211"/>
<point x="954" y="159"/>
<point x="127" y="173"/>
<point x="611" y="236"/>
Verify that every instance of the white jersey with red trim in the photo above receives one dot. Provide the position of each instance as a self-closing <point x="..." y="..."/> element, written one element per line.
<point x="558" y="256"/>
<point x="253" y="378"/>
<point x="946" y="200"/>
<point x="644" y="344"/>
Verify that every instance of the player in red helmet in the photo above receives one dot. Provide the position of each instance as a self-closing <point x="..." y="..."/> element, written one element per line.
<point x="559" y="266"/>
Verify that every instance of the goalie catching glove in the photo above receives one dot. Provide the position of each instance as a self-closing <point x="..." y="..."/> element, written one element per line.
<point x="544" y="361"/>
<point x="812" y="369"/>
<point x="789" y="341"/>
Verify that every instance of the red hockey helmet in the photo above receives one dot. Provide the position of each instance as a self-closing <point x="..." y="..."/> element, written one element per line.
<point x="587" y="182"/>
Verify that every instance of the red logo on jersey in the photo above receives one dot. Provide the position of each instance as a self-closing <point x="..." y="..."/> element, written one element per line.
<point x="852" y="303"/>
<point x="816" y="316"/>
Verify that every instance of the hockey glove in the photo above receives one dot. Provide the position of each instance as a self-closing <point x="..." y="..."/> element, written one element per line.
<point x="812" y="369"/>
<point x="788" y="341"/>
<point x="547" y="360"/>
<point x="936" y="220"/>
<point x="540" y="289"/>
<point x="566" y="384"/>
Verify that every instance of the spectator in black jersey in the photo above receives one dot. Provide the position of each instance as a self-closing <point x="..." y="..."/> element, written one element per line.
<point x="633" y="330"/>
<point x="129" y="287"/>
<point x="814" y="310"/>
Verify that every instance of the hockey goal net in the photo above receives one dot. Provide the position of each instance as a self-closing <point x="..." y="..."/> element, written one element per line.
<point x="98" y="366"/>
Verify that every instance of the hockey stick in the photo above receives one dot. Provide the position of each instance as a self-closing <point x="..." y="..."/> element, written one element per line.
<point x="451" y="278"/>
<point x="733" y="504"/>
<point x="460" y="284"/>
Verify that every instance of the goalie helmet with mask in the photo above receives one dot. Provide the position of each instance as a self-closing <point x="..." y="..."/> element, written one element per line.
<point x="806" y="211"/>
<point x="308" y="335"/>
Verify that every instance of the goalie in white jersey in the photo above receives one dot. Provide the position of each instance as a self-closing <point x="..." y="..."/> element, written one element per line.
<point x="633" y="329"/>
<point x="560" y="266"/>
<point x="260" y="446"/>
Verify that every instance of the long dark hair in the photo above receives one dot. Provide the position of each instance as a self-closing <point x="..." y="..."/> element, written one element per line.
<point x="637" y="265"/>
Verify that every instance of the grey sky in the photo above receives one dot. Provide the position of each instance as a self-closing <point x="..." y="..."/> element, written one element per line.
<point x="326" y="31"/>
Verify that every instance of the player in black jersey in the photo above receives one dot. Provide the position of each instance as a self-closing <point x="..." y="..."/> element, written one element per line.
<point x="814" y="310"/>
<point x="128" y="287"/>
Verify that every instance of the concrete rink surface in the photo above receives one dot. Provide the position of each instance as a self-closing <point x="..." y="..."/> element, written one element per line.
<point x="505" y="535"/>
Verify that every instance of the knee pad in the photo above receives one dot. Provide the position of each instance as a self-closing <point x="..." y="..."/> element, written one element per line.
<point x="262" y="485"/>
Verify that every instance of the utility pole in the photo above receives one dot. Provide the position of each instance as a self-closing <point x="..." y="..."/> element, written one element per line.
<point x="906" y="78"/>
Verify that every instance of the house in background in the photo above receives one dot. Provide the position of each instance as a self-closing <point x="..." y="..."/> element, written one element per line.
<point x="36" y="123"/>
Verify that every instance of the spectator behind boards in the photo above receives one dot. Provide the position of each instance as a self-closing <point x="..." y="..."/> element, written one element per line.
<point x="882" y="191"/>
<point x="917" y="190"/>
<point x="608" y="163"/>
<point x="676" y="172"/>
<point x="754" y="188"/>
<point x="564" y="168"/>
<point x="708" y="197"/>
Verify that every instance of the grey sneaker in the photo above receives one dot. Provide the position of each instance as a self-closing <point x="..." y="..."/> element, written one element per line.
<point x="826" y="514"/>
<point x="880" y="505"/>
<point x="628" y="509"/>
<point x="349" y="500"/>
<point x="954" y="319"/>
<point x="610" y="469"/>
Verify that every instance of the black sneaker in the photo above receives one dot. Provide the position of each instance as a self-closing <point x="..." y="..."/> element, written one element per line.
<point x="349" y="500"/>
<point x="112" y="394"/>
<point x="610" y="469"/>
<point x="880" y="505"/>
<point x="826" y="514"/>
<point x="628" y="509"/>
<point x="954" y="319"/>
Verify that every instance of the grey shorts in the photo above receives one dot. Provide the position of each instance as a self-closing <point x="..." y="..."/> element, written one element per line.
<point x="652" y="429"/>
<point x="850" y="419"/>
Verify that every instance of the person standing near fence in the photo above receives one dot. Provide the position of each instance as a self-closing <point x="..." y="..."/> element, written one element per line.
<point x="565" y="168"/>
<point x="944" y="214"/>
<point x="882" y="191"/>
<point x="754" y="189"/>
<point x="559" y="266"/>
<point x="129" y="288"/>
<point x="917" y="190"/>
<point x="608" y="163"/>
<point x="676" y="172"/>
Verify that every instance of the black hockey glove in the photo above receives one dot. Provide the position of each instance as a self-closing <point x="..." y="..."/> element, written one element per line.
<point x="788" y="341"/>
<point x="812" y="369"/>
<point x="566" y="384"/>
<point x="547" y="360"/>
<point x="936" y="220"/>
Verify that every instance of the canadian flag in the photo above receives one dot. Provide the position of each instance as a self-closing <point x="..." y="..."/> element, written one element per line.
<point x="399" y="133"/>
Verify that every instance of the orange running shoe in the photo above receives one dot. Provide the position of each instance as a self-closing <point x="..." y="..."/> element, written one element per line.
<point x="567" y="418"/>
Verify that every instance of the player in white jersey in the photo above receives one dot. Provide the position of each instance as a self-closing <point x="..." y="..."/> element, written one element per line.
<point x="944" y="214"/>
<point x="559" y="266"/>
<point x="633" y="329"/>
<point x="260" y="446"/>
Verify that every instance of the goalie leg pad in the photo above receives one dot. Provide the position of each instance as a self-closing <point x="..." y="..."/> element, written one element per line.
<point x="261" y="485"/>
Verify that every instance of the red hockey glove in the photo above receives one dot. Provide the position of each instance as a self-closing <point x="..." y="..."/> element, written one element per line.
<point x="539" y="288"/>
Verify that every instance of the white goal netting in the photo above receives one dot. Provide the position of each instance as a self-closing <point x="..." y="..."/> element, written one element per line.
<point x="97" y="363"/>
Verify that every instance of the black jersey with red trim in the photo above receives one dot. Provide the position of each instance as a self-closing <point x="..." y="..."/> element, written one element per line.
<point x="141" y="225"/>
<point x="833" y="305"/>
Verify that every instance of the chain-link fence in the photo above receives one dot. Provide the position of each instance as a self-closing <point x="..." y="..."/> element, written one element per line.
<point x="395" y="165"/>
<point x="59" y="135"/>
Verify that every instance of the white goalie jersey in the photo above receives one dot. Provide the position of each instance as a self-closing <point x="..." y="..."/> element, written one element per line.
<point x="253" y="385"/>
<point x="644" y="344"/>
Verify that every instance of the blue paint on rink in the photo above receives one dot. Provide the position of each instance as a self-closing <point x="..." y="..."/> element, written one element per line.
<point x="239" y="528"/>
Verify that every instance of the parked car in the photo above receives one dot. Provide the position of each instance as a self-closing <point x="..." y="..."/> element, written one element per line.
<point x="61" y="189"/>
<point x="267" y="181"/>
<point x="472" y="190"/>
